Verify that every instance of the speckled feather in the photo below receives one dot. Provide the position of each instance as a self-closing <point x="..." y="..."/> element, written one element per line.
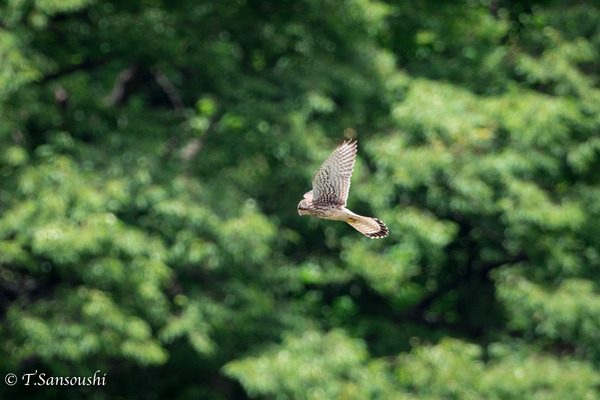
<point x="331" y="181"/>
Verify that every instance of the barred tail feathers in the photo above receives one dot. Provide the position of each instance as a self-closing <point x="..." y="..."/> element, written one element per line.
<point x="371" y="227"/>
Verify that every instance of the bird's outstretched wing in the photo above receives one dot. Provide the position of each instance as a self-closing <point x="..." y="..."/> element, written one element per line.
<point x="331" y="182"/>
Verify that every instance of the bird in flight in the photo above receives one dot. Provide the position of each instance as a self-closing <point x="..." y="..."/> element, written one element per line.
<point x="331" y="183"/>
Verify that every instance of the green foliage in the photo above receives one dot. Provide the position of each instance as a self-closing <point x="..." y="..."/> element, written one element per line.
<point x="16" y="70"/>
<point x="568" y="313"/>
<point x="152" y="155"/>
<point x="313" y="366"/>
<point x="317" y="366"/>
<point x="454" y="369"/>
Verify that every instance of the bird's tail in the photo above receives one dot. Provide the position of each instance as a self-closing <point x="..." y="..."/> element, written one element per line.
<point x="371" y="227"/>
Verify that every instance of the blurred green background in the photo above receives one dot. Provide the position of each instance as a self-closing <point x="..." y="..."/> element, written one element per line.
<point x="152" y="154"/>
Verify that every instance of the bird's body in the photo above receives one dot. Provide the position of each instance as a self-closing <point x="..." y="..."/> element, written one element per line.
<point x="331" y="183"/>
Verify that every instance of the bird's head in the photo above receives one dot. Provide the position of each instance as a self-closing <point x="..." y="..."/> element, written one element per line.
<point x="303" y="207"/>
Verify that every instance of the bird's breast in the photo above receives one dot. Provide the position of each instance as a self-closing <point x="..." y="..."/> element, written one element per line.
<point x="328" y="211"/>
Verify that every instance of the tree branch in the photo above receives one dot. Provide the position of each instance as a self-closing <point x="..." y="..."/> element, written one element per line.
<point x="170" y="90"/>
<point x="85" y="65"/>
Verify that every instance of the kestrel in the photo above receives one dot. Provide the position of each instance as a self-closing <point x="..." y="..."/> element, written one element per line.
<point x="331" y="183"/>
